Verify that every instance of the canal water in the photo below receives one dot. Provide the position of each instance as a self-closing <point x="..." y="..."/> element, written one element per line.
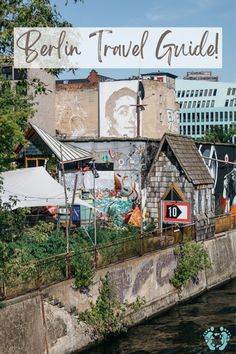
<point x="181" y="329"/>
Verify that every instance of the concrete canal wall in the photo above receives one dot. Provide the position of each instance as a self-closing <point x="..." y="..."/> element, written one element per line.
<point x="32" y="324"/>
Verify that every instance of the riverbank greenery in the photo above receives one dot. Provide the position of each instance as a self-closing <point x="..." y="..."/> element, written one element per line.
<point x="191" y="259"/>
<point x="108" y="316"/>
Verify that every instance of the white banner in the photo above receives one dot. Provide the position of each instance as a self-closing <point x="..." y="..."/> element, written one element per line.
<point x="118" y="47"/>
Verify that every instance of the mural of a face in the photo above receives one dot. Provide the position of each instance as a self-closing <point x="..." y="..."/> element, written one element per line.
<point x="121" y="113"/>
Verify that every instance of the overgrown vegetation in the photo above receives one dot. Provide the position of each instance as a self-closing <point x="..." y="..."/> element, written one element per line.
<point x="191" y="259"/>
<point x="84" y="269"/>
<point x="108" y="316"/>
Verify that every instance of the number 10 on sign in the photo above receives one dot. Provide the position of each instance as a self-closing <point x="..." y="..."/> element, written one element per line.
<point x="176" y="212"/>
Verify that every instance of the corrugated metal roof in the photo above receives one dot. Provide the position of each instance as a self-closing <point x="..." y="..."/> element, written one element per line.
<point x="64" y="152"/>
<point x="189" y="158"/>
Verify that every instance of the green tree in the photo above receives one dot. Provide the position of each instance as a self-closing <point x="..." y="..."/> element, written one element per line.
<point x="219" y="135"/>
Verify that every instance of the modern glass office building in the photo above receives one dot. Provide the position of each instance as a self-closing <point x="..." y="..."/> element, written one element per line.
<point x="204" y="105"/>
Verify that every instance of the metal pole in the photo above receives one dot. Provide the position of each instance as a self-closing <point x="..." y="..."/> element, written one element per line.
<point x="67" y="210"/>
<point x="73" y="199"/>
<point x="94" y="206"/>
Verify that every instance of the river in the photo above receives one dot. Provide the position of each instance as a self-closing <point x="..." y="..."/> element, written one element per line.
<point x="181" y="329"/>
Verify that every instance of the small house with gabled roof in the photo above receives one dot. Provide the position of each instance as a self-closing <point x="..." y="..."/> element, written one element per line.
<point x="178" y="173"/>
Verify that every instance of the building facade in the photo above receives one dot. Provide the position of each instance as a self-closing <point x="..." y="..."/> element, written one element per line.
<point x="204" y="105"/>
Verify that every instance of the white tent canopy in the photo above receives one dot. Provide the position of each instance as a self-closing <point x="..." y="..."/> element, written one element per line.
<point x="33" y="187"/>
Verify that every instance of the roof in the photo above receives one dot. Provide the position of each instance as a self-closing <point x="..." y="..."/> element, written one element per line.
<point x="188" y="157"/>
<point x="64" y="152"/>
<point x="159" y="73"/>
<point x="33" y="187"/>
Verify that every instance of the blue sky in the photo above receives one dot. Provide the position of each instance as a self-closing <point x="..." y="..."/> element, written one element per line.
<point x="157" y="13"/>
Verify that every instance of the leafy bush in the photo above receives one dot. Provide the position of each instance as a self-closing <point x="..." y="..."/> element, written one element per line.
<point x="191" y="259"/>
<point x="108" y="316"/>
<point x="84" y="270"/>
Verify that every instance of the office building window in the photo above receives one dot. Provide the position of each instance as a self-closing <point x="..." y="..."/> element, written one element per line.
<point x="207" y="128"/>
<point x="202" y="116"/>
<point x="207" y="116"/>
<point x="203" y="104"/>
<point x="214" y="92"/>
<point x="208" y="104"/>
<point x="187" y="93"/>
<point x="212" y="103"/>
<point x="231" y="102"/>
<point x="185" y="104"/>
<point x="193" y="130"/>
<point x="202" y="129"/>
<point x="196" y="93"/>
<point x="221" y="116"/>
<point x="194" y="104"/>
<point x="183" y="93"/>
<point x="229" y="91"/>
<point x="189" y="129"/>
<point x="205" y="92"/>
<point x="231" y="116"/>
<point x="226" y="103"/>
<point x="210" y="93"/>
<point x="198" y="104"/>
<point x="178" y="94"/>
<point x="189" y="104"/>
<point x="216" y="116"/>
<point x="184" y="117"/>
<point x="193" y="117"/>
<point x="198" y="129"/>
<point x="192" y="93"/>
<point x="201" y="93"/>
<point x="189" y="117"/>
<point x="234" y="91"/>
<point x="226" y="116"/>
<point x="184" y="130"/>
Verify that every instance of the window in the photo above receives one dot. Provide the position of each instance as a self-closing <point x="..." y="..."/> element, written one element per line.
<point x="35" y="162"/>
<point x="202" y="129"/>
<point x="196" y="93"/>
<point x="216" y="116"/>
<point x="194" y="104"/>
<point x="231" y="103"/>
<point x="221" y="116"/>
<point x="189" y="130"/>
<point x="198" y="129"/>
<point x="189" y="104"/>
<point x="212" y="116"/>
<point x="229" y="91"/>
<point x="192" y="93"/>
<point x="193" y="117"/>
<point x="178" y="93"/>
<point x="180" y="104"/>
<point x="203" y="104"/>
<point x="183" y="93"/>
<point x="210" y="93"/>
<point x="189" y="117"/>
<point x="226" y="116"/>
<point x="187" y="93"/>
<point x="198" y="104"/>
<point x="201" y="93"/>
<point x="205" y="92"/>
<point x="212" y="103"/>
<point x="230" y="116"/>
<point x="207" y="116"/>
<point x="193" y="130"/>
<point x="202" y="116"/>
<point x="226" y="103"/>
<point x="214" y="92"/>
<point x="198" y="117"/>
<point x="185" y="104"/>
<point x="233" y="91"/>
<point x="208" y="104"/>
<point x="184" y="130"/>
<point x="184" y="117"/>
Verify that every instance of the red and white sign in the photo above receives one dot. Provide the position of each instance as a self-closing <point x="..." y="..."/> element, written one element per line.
<point x="176" y="212"/>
